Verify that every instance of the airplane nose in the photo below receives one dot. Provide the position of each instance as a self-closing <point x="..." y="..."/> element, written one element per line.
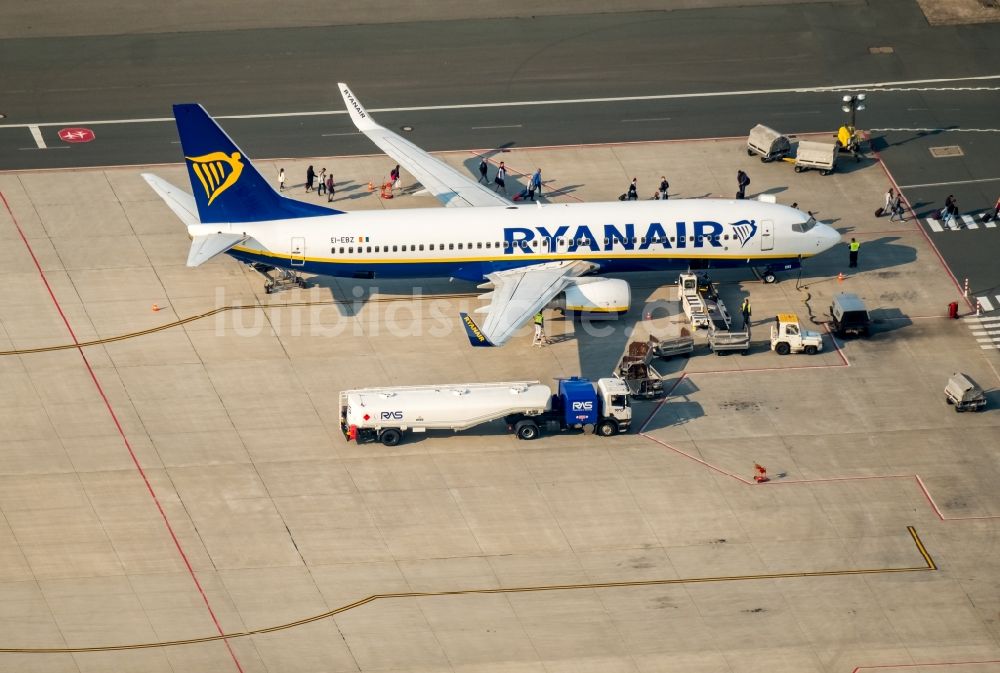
<point x="830" y="238"/>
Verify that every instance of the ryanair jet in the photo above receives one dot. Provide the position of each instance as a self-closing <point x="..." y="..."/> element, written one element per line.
<point x="528" y="256"/>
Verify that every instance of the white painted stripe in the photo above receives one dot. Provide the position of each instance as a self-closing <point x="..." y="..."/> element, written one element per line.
<point x="501" y="126"/>
<point x="990" y="346"/>
<point x="986" y="332"/>
<point x="934" y="225"/>
<point x="985" y="303"/>
<point x="351" y="133"/>
<point x="943" y="184"/>
<point x="36" y="133"/>
<point x="567" y="101"/>
<point x="989" y="340"/>
<point x="970" y="222"/>
<point x="648" y="119"/>
<point x="991" y="224"/>
<point x="984" y="322"/>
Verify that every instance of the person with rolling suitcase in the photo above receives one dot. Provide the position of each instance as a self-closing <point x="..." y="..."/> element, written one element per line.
<point x="742" y="181"/>
<point x="887" y="206"/>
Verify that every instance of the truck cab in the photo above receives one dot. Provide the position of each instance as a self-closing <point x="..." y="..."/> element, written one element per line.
<point x="787" y="336"/>
<point x="604" y="406"/>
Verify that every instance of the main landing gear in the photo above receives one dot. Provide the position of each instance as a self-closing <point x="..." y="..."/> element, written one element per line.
<point x="277" y="278"/>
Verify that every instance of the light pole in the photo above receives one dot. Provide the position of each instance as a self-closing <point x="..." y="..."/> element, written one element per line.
<point x="847" y="136"/>
<point x="853" y="103"/>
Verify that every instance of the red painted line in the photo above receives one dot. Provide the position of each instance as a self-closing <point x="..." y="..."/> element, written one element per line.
<point x="909" y="206"/>
<point x="936" y="663"/>
<point x="840" y="352"/>
<point x="818" y="480"/>
<point x="121" y="431"/>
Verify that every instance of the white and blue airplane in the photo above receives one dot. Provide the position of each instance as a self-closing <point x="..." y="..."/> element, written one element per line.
<point x="529" y="256"/>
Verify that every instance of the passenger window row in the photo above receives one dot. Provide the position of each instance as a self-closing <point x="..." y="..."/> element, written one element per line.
<point x="562" y="242"/>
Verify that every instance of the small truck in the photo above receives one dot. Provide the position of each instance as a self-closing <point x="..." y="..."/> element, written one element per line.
<point x="528" y="407"/>
<point x="848" y="315"/>
<point x="787" y="336"/>
<point x="964" y="393"/>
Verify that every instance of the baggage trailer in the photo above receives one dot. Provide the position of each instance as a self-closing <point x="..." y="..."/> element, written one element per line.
<point x="812" y="154"/>
<point x="964" y="393"/>
<point x="668" y="348"/>
<point x="387" y="414"/>
<point x="636" y="371"/>
<point x="700" y="301"/>
<point x="767" y="143"/>
<point x="728" y="341"/>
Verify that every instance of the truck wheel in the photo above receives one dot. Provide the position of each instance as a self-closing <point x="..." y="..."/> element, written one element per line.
<point x="527" y="431"/>
<point x="948" y="400"/>
<point x="769" y="277"/>
<point x="810" y="350"/>
<point x="390" y="437"/>
<point x="826" y="172"/>
<point x="606" y="429"/>
<point x="749" y="152"/>
<point x="798" y="169"/>
<point x="764" y="160"/>
<point x="782" y="348"/>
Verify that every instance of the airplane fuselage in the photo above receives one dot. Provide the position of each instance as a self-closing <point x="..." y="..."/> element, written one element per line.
<point x="470" y="243"/>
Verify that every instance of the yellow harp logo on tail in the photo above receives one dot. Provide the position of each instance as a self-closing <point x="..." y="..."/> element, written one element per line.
<point x="217" y="172"/>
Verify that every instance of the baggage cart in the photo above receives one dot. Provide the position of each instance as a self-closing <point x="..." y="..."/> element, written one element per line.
<point x="964" y="393"/>
<point x="638" y="374"/>
<point x="723" y="341"/>
<point x="820" y="156"/>
<point x="767" y="143"/>
<point x="668" y="348"/>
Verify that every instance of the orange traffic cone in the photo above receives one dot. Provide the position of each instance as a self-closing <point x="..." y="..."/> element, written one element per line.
<point x="840" y="277"/>
<point x="760" y="473"/>
<point x="155" y="308"/>
<point x="371" y="185"/>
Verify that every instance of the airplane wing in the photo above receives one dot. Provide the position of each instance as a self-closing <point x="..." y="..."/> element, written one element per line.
<point x="517" y="295"/>
<point x="450" y="186"/>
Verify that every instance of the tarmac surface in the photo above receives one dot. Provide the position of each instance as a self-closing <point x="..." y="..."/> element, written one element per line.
<point x="485" y="80"/>
<point x="180" y="497"/>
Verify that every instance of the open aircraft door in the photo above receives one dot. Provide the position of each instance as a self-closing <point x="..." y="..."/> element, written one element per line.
<point x="766" y="235"/>
<point x="298" y="254"/>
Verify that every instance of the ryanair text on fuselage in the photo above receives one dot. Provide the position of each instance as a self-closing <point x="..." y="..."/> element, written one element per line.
<point x="698" y="234"/>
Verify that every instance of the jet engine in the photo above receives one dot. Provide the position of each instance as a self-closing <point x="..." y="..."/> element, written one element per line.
<point x="595" y="297"/>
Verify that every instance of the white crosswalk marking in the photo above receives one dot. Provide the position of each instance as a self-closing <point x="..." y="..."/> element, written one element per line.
<point x="970" y="222"/>
<point x="985" y="303"/>
<point x="991" y="224"/>
<point x="934" y="225"/>
<point x="984" y="340"/>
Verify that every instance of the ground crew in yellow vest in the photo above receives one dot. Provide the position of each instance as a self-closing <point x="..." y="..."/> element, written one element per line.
<point x="854" y="247"/>
<point x="539" y="334"/>
<point x="745" y="310"/>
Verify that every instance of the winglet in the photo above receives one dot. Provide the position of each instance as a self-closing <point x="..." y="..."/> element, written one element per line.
<point x="359" y="115"/>
<point x="476" y="336"/>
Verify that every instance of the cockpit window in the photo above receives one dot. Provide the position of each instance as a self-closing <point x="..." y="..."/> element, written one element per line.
<point x="803" y="227"/>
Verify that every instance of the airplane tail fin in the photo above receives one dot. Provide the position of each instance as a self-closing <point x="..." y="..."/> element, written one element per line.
<point x="227" y="188"/>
